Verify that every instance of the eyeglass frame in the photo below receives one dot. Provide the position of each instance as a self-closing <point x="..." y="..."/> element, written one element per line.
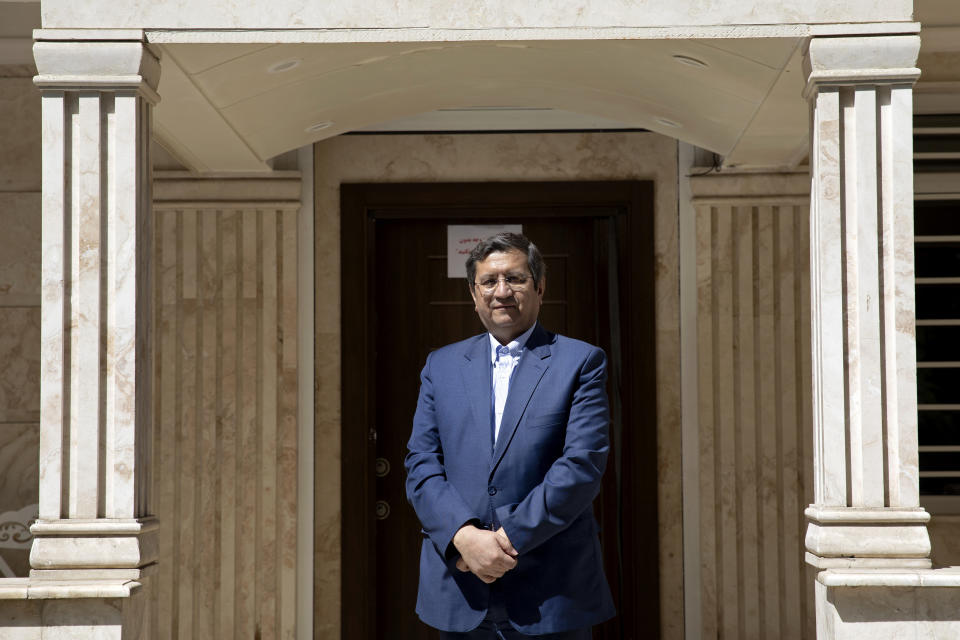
<point x="505" y="279"/>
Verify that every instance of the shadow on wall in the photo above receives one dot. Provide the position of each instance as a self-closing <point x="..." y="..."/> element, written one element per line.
<point x="911" y="605"/>
<point x="15" y="540"/>
<point x="20" y="247"/>
<point x="944" y="541"/>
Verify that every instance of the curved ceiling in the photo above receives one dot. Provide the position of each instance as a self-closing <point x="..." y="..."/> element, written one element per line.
<point x="230" y="107"/>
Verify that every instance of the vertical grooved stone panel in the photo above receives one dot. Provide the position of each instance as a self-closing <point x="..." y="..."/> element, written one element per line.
<point x="753" y="357"/>
<point x="226" y="301"/>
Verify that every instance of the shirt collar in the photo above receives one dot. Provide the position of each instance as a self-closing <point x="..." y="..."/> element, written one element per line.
<point x="515" y="346"/>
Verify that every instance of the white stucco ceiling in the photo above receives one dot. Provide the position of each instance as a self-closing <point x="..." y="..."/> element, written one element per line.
<point x="233" y="106"/>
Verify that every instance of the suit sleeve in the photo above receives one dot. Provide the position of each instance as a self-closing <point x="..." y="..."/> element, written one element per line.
<point x="573" y="480"/>
<point x="438" y="504"/>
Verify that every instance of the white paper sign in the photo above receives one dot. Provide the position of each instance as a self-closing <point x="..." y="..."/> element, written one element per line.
<point x="462" y="238"/>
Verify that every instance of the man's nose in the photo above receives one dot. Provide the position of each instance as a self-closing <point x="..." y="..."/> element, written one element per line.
<point x="503" y="290"/>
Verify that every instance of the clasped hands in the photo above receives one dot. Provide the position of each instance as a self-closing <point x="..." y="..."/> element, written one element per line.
<point x="488" y="554"/>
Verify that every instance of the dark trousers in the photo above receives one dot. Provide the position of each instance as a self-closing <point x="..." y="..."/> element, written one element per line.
<point x="496" y="627"/>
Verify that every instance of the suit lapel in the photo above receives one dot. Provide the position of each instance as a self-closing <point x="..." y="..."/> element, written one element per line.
<point x="477" y="380"/>
<point x="533" y="364"/>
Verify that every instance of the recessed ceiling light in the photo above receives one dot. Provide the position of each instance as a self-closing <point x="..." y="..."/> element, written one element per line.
<point x="320" y="126"/>
<point x="690" y="62"/>
<point x="284" y="65"/>
<point x="668" y="123"/>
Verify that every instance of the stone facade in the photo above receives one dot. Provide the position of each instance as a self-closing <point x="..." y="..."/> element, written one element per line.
<point x="90" y="318"/>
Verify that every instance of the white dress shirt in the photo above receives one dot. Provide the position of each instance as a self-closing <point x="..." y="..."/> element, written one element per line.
<point x="505" y="360"/>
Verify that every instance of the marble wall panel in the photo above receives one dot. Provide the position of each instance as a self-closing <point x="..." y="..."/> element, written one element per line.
<point x="19" y="454"/>
<point x="503" y="157"/>
<point x="19" y="444"/>
<point x="68" y="618"/>
<point x="888" y="613"/>
<point x="20" y="248"/>
<point x="18" y="70"/>
<point x="21" y="619"/>
<point x="754" y="416"/>
<point x="20" y="364"/>
<point x="19" y="302"/>
<point x="226" y="430"/>
<point x="944" y="540"/>
<point x="20" y="132"/>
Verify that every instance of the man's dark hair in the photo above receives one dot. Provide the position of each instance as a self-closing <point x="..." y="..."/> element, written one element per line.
<point x="503" y="242"/>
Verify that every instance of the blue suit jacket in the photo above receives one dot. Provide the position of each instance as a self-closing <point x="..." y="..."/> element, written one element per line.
<point x="539" y="482"/>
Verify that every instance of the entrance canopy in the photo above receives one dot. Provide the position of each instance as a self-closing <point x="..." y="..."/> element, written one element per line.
<point x="243" y="82"/>
<point x="231" y="106"/>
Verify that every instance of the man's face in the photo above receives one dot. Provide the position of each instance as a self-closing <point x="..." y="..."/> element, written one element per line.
<point x="506" y="311"/>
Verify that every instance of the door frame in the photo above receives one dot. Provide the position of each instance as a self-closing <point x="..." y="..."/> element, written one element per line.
<point x="629" y="206"/>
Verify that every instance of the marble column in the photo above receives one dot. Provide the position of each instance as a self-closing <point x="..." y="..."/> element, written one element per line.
<point x="866" y="511"/>
<point x="95" y="518"/>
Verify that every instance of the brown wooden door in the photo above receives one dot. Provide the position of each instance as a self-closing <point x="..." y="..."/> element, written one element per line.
<point x="412" y="307"/>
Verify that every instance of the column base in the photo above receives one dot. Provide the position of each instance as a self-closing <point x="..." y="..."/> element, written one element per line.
<point x="107" y="609"/>
<point x="850" y="537"/>
<point x="881" y="605"/>
<point x="101" y="545"/>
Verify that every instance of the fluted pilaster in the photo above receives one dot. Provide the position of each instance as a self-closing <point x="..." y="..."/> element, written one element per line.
<point x="96" y="293"/>
<point x="866" y="510"/>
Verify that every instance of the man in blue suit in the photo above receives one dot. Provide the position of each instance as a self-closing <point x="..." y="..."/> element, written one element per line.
<point x="509" y="443"/>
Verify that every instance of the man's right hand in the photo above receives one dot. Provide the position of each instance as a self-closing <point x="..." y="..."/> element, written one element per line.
<point x="481" y="553"/>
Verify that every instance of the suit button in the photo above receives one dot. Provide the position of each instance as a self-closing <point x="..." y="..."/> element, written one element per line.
<point x="492" y="491"/>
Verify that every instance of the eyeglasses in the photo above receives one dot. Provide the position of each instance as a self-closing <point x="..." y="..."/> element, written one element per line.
<point x="516" y="283"/>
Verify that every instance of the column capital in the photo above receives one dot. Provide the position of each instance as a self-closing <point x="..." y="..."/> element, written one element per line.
<point x="853" y="60"/>
<point x="101" y="65"/>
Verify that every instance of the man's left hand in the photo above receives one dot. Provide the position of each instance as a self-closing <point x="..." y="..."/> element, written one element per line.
<point x="503" y="540"/>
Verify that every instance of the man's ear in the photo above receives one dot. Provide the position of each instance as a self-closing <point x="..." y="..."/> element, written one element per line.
<point x="470" y="290"/>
